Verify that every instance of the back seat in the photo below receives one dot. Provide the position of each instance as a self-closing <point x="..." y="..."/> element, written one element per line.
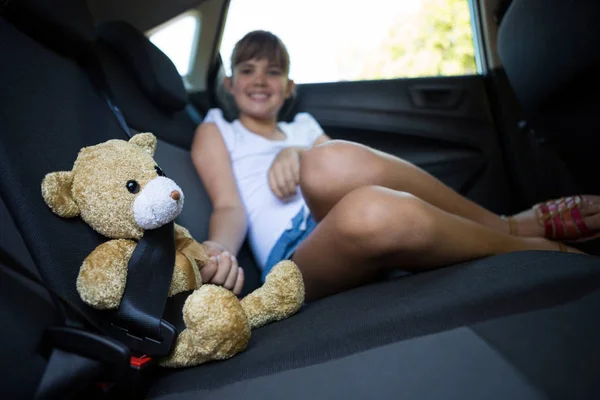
<point x="516" y="325"/>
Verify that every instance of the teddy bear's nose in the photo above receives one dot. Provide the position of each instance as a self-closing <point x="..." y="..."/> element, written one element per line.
<point x="175" y="195"/>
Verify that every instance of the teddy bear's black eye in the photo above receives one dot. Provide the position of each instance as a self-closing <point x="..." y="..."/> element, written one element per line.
<point x="133" y="186"/>
<point x="159" y="171"/>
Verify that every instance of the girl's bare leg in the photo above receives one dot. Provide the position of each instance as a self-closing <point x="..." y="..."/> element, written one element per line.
<point x="334" y="169"/>
<point x="372" y="229"/>
<point x="331" y="170"/>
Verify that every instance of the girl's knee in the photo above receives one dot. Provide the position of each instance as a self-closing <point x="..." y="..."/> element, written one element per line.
<point x="381" y="219"/>
<point x="329" y="160"/>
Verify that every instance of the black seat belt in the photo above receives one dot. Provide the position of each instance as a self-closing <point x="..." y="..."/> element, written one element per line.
<point x="93" y="67"/>
<point x="138" y="322"/>
<point x="193" y="113"/>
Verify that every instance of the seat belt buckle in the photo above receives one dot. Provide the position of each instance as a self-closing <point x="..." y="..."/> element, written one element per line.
<point x="141" y="372"/>
<point x="138" y="344"/>
<point x="140" y="362"/>
<point x="132" y="383"/>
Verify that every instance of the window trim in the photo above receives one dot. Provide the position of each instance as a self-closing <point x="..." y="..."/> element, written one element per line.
<point x="481" y="59"/>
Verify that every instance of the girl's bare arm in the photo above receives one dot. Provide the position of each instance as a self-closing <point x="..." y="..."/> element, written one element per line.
<point x="228" y="221"/>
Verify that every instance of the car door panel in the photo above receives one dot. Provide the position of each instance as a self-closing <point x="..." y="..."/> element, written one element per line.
<point x="442" y="124"/>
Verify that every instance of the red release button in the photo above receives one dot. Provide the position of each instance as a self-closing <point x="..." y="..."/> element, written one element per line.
<point x="139" y="361"/>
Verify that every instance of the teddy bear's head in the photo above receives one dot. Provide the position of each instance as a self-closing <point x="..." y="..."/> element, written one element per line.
<point x="117" y="188"/>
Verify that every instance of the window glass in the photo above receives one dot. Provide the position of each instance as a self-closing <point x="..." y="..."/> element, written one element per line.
<point x="339" y="40"/>
<point x="176" y="39"/>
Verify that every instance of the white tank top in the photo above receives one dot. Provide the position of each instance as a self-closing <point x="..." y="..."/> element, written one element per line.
<point x="251" y="156"/>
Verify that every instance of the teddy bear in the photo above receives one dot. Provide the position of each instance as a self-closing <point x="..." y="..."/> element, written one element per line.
<point x="118" y="189"/>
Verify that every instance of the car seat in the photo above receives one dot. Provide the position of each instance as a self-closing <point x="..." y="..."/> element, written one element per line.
<point x="549" y="50"/>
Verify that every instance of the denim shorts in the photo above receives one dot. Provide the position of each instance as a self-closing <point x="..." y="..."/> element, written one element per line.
<point x="301" y="226"/>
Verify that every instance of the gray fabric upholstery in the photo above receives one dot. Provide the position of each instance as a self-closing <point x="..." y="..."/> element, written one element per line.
<point x="450" y="365"/>
<point x="400" y="309"/>
<point x="557" y="349"/>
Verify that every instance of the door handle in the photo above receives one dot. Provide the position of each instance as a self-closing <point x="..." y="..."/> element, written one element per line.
<point x="435" y="96"/>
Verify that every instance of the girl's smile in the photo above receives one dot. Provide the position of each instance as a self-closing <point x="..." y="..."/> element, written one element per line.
<point x="259" y="88"/>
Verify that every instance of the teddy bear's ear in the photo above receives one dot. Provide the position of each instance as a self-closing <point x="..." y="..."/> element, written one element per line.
<point x="56" y="190"/>
<point x="146" y="141"/>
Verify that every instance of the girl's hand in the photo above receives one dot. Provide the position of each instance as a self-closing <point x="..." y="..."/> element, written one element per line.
<point x="222" y="269"/>
<point x="214" y="248"/>
<point x="284" y="173"/>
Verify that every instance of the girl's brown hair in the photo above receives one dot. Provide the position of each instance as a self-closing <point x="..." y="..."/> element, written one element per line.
<point x="261" y="44"/>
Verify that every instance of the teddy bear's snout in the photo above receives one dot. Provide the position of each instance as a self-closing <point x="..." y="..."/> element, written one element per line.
<point x="158" y="203"/>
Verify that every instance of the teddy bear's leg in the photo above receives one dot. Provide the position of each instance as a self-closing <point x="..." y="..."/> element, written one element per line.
<point x="280" y="297"/>
<point x="216" y="328"/>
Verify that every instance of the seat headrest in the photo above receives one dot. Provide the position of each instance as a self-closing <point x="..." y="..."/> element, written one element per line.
<point x="154" y="72"/>
<point x="66" y="26"/>
<point x="549" y="46"/>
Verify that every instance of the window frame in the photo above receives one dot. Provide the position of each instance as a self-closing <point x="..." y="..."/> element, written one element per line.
<point x="481" y="57"/>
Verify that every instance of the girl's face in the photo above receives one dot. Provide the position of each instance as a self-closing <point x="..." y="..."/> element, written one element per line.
<point x="259" y="88"/>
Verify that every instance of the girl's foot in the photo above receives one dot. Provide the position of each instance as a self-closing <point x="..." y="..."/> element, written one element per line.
<point x="538" y="243"/>
<point x="574" y="218"/>
<point x="568" y="249"/>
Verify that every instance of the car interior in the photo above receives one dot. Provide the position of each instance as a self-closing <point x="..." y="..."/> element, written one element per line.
<point x="523" y="129"/>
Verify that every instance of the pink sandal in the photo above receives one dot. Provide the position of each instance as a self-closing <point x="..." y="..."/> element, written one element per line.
<point x="561" y="219"/>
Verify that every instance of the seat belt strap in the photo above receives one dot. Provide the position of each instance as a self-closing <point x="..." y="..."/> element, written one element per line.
<point x="94" y="69"/>
<point x="138" y="322"/>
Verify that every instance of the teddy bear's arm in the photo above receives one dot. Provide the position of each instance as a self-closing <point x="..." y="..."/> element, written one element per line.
<point x="181" y="232"/>
<point x="103" y="274"/>
<point x="190" y="258"/>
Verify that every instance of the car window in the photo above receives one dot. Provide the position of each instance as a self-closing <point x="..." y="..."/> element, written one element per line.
<point x="338" y="40"/>
<point x="176" y="38"/>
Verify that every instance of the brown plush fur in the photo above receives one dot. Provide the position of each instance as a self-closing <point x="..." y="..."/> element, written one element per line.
<point x="217" y="328"/>
<point x="100" y="175"/>
<point x="56" y="190"/>
<point x="280" y="296"/>
<point x="189" y="258"/>
<point x="101" y="280"/>
<point x="218" y="324"/>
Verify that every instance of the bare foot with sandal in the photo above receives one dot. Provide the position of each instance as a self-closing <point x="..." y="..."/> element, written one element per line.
<point x="569" y="219"/>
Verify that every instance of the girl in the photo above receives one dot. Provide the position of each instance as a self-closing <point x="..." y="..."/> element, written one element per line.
<point x="345" y="213"/>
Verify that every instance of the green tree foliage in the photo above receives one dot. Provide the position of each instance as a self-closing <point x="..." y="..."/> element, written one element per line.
<point x="435" y="40"/>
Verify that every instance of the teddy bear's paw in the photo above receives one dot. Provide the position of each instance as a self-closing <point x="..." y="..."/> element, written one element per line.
<point x="185" y="353"/>
<point x="217" y="328"/>
<point x="281" y="296"/>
